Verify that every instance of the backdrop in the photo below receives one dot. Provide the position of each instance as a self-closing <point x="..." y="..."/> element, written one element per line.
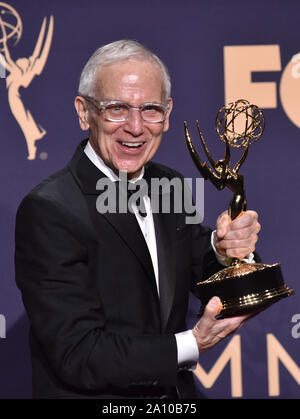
<point x="216" y="51"/>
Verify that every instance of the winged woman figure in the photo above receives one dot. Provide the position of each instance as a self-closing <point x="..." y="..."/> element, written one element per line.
<point x="221" y="175"/>
<point x="21" y="74"/>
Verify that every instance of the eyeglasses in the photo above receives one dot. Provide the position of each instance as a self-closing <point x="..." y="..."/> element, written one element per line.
<point x="117" y="111"/>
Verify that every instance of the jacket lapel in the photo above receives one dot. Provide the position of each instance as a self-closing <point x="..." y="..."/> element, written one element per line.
<point x="165" y="252"/>
<point x="165" y="231"/>
<point x="87" y="175"/>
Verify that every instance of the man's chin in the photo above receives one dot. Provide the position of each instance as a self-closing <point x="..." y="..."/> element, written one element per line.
<point x="131" y="171"/>
<point x="133" y="174"/>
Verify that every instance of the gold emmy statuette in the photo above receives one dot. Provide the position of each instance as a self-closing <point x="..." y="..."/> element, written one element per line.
<point x="242" y="287"/>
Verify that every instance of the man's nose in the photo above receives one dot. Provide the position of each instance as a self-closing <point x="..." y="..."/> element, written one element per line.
<point x="135" y="123"/>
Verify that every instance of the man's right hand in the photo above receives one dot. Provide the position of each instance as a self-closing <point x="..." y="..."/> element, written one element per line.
<point x="208" y="331"/>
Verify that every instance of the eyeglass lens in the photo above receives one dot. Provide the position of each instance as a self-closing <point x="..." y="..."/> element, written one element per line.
<point x="120" y="112"/>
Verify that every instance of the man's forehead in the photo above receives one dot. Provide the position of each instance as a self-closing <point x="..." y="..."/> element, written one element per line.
<point x="133" y="73"/>
<point x="131" y="64"/>
<point x="131" y="78"/>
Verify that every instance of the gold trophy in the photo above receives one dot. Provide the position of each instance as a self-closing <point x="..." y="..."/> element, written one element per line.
<point x="242" y="287"/>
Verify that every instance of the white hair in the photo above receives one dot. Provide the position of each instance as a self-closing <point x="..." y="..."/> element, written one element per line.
<point x="115" y="52"/>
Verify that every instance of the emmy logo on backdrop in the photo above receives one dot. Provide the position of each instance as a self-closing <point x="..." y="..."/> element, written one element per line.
<point x="23" y="70"/>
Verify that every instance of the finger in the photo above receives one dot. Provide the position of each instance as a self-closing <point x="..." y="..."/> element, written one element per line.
<point x="222" y="225"/>
<point x="239" y="253"/>
<point x="231" y="323"/>
<point x="247" y="219"/>
<point x="242" y="233"/>
<point x="223" y="328"/>
<point x="202" y="329"/>
<point x="237" y="244"/>
<point x="209" y="331"/>
<point x="212" y="308"/>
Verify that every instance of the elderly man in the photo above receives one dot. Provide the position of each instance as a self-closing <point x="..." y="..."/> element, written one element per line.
<point x="107" y="293"/>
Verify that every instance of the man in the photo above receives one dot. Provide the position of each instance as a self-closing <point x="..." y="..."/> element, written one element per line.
<point x="107" y="293"/>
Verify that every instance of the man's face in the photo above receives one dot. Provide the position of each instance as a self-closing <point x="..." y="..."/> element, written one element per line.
<point x="134" y="82"/>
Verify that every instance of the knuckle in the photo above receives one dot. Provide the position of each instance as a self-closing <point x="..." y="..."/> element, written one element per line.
<point x="249" y="216"/>
<point x="235" y="244"/>
<point x="253" y="214"/>
<point x="250" y="249"/>
<point x="239" y="234"/>
<point x="209" y="311"/>
<point x="222" y="217"/>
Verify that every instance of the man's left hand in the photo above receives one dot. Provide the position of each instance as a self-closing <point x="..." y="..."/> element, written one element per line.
<point x="237" y="238"/>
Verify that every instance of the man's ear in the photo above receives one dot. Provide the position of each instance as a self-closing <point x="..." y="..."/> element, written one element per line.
<point x="167" y="120"/>
<point x="82" y="112"/>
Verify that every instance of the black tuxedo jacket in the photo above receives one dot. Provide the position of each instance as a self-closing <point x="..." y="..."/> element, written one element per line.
<point x="98" y="327"/>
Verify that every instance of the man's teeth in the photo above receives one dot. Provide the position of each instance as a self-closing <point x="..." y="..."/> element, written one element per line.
<point x="131" y="144"/>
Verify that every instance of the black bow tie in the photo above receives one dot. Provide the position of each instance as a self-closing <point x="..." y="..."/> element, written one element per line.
<point x="133" y="192"/>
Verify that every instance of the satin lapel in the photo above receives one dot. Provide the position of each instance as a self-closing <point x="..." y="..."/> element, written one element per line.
<point x="165" y="228"/>
<point x="165" y="232"/>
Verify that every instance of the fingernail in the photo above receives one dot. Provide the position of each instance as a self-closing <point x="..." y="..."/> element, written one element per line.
<point x="220" y="308"/>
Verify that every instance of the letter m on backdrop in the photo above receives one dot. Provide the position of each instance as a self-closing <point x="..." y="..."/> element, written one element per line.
<point x="276" y="353"/>
<point x="232" y="354"/>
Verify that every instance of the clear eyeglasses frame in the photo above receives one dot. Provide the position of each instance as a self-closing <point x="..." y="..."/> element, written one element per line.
<point x="118" y="111"/>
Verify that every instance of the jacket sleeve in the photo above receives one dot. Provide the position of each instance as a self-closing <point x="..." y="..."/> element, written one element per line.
<point x="66" y="313"/>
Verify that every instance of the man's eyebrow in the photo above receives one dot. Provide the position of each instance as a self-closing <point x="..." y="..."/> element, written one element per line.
<point x="154" y="102"/>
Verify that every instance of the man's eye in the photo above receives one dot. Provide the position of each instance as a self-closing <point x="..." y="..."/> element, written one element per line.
<point x="118" y="108"/>
<point x="148" y="107"/>
<point x="153" y="109"/>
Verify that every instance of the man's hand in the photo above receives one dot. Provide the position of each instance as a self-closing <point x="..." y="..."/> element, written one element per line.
<point x="237" y="238"/>
<point x="209" y="331"/>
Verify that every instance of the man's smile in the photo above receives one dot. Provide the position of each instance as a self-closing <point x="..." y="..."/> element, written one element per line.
<point x="131" y="147"/>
